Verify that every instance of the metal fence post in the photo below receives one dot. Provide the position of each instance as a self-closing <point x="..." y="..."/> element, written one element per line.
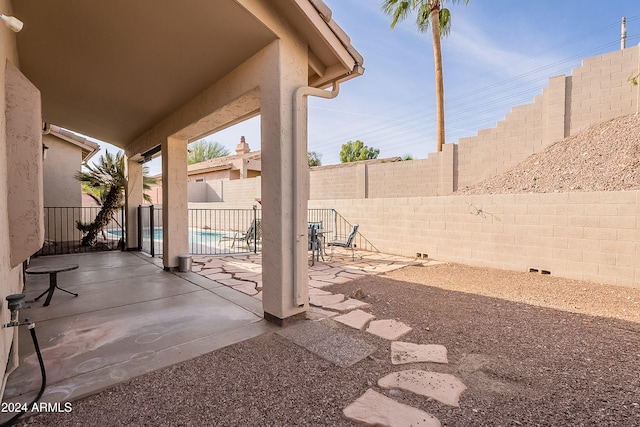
<point x="122" y="230"/>
<point x="151" y="226"/>
<point x="255" y="230"/>
<point x="139" y="227"/>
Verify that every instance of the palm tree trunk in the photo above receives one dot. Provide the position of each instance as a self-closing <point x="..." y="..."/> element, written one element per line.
<point x="110" y="206"/>
<point x="437" y="56"/>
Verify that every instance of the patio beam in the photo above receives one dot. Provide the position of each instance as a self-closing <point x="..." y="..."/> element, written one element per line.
<point x="133" y="198"/>
<point x="175" y="220"/>
<point x="284" y="255"/>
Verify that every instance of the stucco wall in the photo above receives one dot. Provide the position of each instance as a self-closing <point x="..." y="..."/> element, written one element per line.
<point x="62" y="162"/>
<point x="10" y="277"/>
<point x="24" y="165"/>
<point x="586" y="236"/>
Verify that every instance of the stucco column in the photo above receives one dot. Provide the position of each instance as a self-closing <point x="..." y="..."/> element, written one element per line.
<point x="133" y="198"/>
<point x="284" y="253"/>
<point x="175" y="227"/>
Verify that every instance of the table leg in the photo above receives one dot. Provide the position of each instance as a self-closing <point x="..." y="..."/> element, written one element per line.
<point x="53" y="284"/>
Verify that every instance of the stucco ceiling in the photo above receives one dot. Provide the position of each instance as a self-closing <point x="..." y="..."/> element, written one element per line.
<point x="112" y="69"/>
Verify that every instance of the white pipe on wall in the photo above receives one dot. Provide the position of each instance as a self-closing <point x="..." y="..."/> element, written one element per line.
<point x="299" y="192"/>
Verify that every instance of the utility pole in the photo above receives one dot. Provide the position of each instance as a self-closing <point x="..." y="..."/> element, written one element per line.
<point x="623" y="33"/>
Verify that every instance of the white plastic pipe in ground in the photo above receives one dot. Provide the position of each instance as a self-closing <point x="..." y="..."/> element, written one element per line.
<point x="300" y="196"/>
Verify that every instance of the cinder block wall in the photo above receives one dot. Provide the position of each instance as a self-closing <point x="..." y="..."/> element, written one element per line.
<point x="599" y="90"/>
<point x="596" y="91"/>
<point x="239" y="191"/>
<point x="586" y="236"/>
<point x="336" y="182"/>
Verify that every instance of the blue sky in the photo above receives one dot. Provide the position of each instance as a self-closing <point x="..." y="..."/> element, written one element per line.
<point x="499" y="54"/>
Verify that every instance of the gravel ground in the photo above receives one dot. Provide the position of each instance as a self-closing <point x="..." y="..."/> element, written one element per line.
<point x="533" y="350"/>
<point x="604" y="157"/>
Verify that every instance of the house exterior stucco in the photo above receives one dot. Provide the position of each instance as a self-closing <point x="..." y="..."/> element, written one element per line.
<point x="11" y="257"/>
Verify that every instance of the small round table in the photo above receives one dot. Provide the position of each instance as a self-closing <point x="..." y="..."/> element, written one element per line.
<point x="52" y="271"/>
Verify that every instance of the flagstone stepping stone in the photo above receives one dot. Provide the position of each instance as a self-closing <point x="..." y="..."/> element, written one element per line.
<point x="248" y="275"/>
<point x="316" y="291"/>
<point x="321" y="277"/>
<point x="351" y="276"/>
<point x="330" y="343"/>
<point x="389" y="329"/>
<point x="407" y="352"/>
<point x="247" y="288"/>
<point x="217" y="276"/>
<point x="205" y="271"/>
<point x="357" y="319"/>
<point x="324" y="300"/>
<point x="375" y="409"/>
<point x="319" y="283"/>
<point x="316" y="313"/>
<point x="444" y="388"/>
<point x="235" y="282"/>
<point x="213" y="264"/>
<point x="348" y="305"/>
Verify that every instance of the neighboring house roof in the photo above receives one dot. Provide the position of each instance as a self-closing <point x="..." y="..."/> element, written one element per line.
<point x="360" y="162"/>
<point x="221" y="163"/>
<point x="89" y="148"/>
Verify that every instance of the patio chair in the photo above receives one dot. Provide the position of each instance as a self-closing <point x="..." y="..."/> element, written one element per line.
<point x="253" y="233"/>
<point x="314" y="244"/>
<point x="347" y="244"/>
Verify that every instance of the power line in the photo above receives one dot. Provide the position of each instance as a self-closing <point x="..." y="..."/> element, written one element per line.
<point x="459" y="106"/>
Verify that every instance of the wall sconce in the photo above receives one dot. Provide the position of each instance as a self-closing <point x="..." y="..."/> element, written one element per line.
<point x="14" y="24"/>
<point x="44" y="151"/>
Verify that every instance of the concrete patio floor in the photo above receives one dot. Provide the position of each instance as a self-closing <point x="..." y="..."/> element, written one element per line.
<point x="132" y="317"/>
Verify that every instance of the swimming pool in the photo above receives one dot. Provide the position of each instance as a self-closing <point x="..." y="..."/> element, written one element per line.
<point x="196" y="235"/>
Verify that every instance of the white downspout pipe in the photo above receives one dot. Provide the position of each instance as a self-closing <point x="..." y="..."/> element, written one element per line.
<point x="300" y="199"/>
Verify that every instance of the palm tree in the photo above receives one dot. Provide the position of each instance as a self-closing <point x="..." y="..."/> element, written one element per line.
<point x="428" y="13"/>
<point x="105" y="182"/>
<point x="203" y="150"/>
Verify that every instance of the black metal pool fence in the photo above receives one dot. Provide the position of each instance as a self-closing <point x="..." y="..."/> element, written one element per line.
<point x="211" y="231"/>
<point x="62" y="236"/>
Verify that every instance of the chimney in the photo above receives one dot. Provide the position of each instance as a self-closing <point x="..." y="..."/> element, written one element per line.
<point x="243" y="147"/>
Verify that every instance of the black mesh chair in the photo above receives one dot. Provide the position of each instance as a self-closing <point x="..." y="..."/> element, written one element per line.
<point x="348" y="243"/>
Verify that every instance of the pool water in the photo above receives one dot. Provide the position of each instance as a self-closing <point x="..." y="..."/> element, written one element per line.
<point x="195" y="235"/>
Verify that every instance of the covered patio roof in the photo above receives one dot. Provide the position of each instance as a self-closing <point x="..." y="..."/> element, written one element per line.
<point x="150" y="77"/>
<point x="113" y="70"/>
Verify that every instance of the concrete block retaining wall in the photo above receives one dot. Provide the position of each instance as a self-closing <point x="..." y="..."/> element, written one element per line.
<point x="596" y="91"/>
<point x="586" y="236"/>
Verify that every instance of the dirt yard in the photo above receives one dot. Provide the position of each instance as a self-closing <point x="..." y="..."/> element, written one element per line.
<point x="533" y="350"/>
